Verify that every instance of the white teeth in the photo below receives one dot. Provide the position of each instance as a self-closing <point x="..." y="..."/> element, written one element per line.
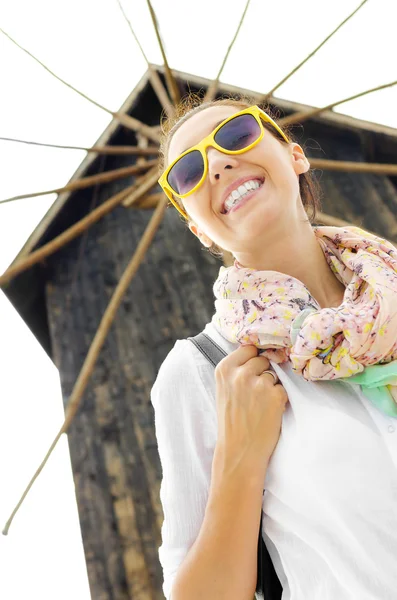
<point x="240" y="192"/>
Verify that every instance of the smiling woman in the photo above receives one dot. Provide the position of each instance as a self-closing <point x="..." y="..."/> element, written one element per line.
<point x="270" y="228"/>
<point x="192" y="105"/>
<point x="237" y="445"/>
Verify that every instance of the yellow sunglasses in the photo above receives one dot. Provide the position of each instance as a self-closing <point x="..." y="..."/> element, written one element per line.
<point x="235" y="135"/>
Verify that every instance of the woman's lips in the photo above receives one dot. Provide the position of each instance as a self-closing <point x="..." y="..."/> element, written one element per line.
<point x="244" y="200"/>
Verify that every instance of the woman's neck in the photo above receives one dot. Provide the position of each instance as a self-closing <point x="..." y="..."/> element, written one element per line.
<point x="299" y="255"/>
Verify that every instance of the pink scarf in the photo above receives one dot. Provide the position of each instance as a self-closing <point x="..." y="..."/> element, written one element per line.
<point x="277" y="313"/>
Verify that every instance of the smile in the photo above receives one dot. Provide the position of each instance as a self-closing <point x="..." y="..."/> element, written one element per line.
<point x="241" y="193"/>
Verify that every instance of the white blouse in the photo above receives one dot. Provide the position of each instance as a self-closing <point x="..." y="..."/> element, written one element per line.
<point x="330" y="501"/>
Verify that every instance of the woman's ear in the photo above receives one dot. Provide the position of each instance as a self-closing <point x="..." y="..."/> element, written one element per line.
<point x="299" y="160"/>
<point x="200" y="235"/>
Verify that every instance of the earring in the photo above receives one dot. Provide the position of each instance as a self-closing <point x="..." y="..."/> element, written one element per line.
<point x="205" y="241"/>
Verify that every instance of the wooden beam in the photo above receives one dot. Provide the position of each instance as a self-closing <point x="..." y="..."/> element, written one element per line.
<point x="303" y="116"/>
<point x="85" y="182"/>
<point x="138" y="126"/>
<point x="111" y="150"/>
<point x="149" y="201"/>
<point x="352" y="167"/>
<point x="155" y="80"/>
<point x="170" y="79"/>
<point x="211" y="91"/>
<point x="267" y="96"/>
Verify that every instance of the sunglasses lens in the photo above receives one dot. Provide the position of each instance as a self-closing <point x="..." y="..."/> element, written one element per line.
<point x="186" y="173"/>
<point x="238" y="133"/>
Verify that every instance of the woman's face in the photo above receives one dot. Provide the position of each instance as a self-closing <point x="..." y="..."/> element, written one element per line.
<point x="270" y="209"/>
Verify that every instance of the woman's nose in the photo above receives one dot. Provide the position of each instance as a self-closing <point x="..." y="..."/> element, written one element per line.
<point x="218" y="162"/>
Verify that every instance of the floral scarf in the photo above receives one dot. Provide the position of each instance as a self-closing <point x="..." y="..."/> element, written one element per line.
<point x="358" y="339"/>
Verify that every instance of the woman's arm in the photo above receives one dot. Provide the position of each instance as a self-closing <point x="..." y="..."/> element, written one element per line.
<point x="211" y="518"/>
<point x="222" y="563"/>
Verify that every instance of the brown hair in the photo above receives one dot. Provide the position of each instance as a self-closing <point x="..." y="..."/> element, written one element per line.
<point x="191" y="104"/>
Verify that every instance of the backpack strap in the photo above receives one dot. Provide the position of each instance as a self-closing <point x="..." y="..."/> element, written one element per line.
<point x="208" y="347"/>
<point x="268" y="586"/>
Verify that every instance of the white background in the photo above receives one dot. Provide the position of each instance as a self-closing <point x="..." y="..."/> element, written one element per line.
<point x="89" y="44"/>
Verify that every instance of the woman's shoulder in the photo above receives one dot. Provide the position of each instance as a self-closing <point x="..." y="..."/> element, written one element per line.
<point x="184" y="373"/>
<point x="184" y="357"/>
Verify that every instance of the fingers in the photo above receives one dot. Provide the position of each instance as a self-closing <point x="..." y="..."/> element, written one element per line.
<point x="244" y="356"/>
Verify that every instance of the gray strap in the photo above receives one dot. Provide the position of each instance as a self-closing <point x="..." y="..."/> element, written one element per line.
<point x="268" y="586"/>
<point x="208" y="347"/>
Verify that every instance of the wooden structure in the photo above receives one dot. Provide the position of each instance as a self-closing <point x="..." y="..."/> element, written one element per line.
<point x="112" y="439"/>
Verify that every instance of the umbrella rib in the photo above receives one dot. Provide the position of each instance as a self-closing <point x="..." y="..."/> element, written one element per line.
<point x="155" y="80"/>
<point x="211" y="91"/>
<point x="169" y="76"/>
<point x="85" y="182"/>
<point x="126" y="120"/>
<point x="280" y="83"/>
<point x="133" y="32"/>
<point x="123" y="150"/>
<point x="303" y="116"/>
<point x="352" y="167"/>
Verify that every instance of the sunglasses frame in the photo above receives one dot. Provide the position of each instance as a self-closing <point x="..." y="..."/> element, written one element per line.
<point x="208" y="141"/>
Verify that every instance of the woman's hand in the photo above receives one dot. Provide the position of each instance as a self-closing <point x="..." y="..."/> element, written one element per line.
<point x="250" y="406"/>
